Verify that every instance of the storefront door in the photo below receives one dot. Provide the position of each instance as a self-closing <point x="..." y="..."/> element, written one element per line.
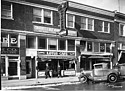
<point x="28" y="68"/>
<point x="12" y="69"/>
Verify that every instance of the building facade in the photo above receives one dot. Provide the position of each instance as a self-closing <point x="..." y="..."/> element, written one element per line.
<point x="30" y="39"/>
<point x="119" y="37"/>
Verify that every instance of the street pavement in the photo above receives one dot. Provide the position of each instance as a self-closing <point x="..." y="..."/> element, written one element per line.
<point x="12" y="84"/>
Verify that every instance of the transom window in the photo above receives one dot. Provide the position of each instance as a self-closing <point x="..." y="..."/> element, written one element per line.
<point x="122" y="30"/>
<point x="6" y="10"/>
<point x="42" y="16"/>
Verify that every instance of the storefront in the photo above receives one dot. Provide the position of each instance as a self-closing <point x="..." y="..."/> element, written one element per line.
<point x="10" y="62"/>
<point x="87" y="61"/>
<point x="65" y="60"/>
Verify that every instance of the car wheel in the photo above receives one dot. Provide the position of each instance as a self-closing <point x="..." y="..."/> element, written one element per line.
<point x="83" y="79"/>
<point x="112" y="78"/>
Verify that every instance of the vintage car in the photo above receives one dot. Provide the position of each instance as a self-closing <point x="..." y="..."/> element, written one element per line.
<point x="101" y="72"/>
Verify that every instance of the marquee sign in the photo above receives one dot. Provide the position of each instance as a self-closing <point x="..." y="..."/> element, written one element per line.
<point x="62" y="12"/>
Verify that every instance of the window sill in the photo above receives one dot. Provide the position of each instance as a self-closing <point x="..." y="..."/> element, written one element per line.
<point x="41" y="23"/>
<point x="86" y="29"/>
<point x="7" y="18"/>
<point x="104" y="32"/>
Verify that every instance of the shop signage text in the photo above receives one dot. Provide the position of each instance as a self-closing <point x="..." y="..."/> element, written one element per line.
<point x="9" y="50"/>
<point x="56" y="53"/>
<point x="12" y="40"/>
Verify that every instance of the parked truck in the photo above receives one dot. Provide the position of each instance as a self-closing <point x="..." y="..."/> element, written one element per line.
<point x="102" y="72"/>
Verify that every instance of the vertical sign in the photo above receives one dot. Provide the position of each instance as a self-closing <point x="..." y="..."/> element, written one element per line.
<point x="62" y="12"/>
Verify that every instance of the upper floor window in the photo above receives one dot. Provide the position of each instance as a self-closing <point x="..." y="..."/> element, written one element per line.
<point x="6" y="10"/>
<point x="42" y="16"/>
<point x="122" y="30"/>
<point x="70" y="20"/>
<point x="87" y="23"/>
<point x="83" y="22"/>
<point x="104" y="26"/>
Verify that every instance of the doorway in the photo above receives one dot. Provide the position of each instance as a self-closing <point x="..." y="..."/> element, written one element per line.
<point x="28" y="69"/>
<point x="12" y="69"/>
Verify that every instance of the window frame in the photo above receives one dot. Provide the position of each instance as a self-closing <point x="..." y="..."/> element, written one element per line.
<point x="123" y="30"/>
<point x="42" y="16"/>
<point x="87" y="24"/>
<point x="11" y="11"/>
<point x="103" y="27"/>
<point x="73" y="21"/>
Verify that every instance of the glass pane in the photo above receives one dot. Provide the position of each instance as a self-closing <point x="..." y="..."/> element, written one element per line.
<point x="6" y="13"/>
<point x="62" y="44"/>
<point x="108" y="47"/>
<point x="70" y="24"/>
<point x="30" y="42"/>
<point x="71" y="45"/>
<point x="121" y="29"/>
<point x="89" y="21"/>
<point x="47" y="13"/>
<point x="90" y="27"/>
<point x="47" y="20"/>
<point x="2" y="66"/>
<point x="7" y="6"/>
<point x="102" y="47"/>
<point x="41" y="43"/>
<point x="37" y="12"/>
<point x="70" y="17"/>
<point x="89" y="46"/>
<point x="83" y="20"/>
<point x="83" y="26"/>
<point x="12" y="69"/>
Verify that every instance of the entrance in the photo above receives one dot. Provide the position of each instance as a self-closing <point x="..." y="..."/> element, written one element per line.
<point x="12" y="69"/>
<point x="28" y="68"/>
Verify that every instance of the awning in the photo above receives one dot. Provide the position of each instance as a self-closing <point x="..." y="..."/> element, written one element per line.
<point x="57" y="57"/>
<point x="94" y="56"/>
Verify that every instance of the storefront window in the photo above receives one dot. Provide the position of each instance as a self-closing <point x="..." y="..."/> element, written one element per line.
<point x="69" y="65"/>
<point x="52" y="44"/>
<point x="62" y="44"/>
<point x="2" y="66"/>
<point x="30" y="42"/>
<point x="108" y="47"/>
<point x="4" y="40"/>
<point x="71" y="45"/>
<point x="13" y="40"/>
<point x="102" y="47"/>
<point x="42" y="43"/>
<point x="41" y="66"/>
<point x="89" y="46"/>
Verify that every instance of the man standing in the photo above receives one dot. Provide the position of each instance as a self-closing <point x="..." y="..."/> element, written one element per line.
<point x="47" y="71"/>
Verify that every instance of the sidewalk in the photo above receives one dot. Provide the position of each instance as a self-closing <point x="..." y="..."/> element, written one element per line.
<point x="34" y="82"/>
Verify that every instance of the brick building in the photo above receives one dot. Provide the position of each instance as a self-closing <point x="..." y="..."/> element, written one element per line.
<point x="119" y="38"/>
<point x="30" y="38"/>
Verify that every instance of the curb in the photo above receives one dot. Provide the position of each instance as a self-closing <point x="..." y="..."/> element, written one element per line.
<point x="39" y="85"/>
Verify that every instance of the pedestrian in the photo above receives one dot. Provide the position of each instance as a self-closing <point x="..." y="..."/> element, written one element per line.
<point x="47" y="73"/>
<point x="59" y="71"/>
